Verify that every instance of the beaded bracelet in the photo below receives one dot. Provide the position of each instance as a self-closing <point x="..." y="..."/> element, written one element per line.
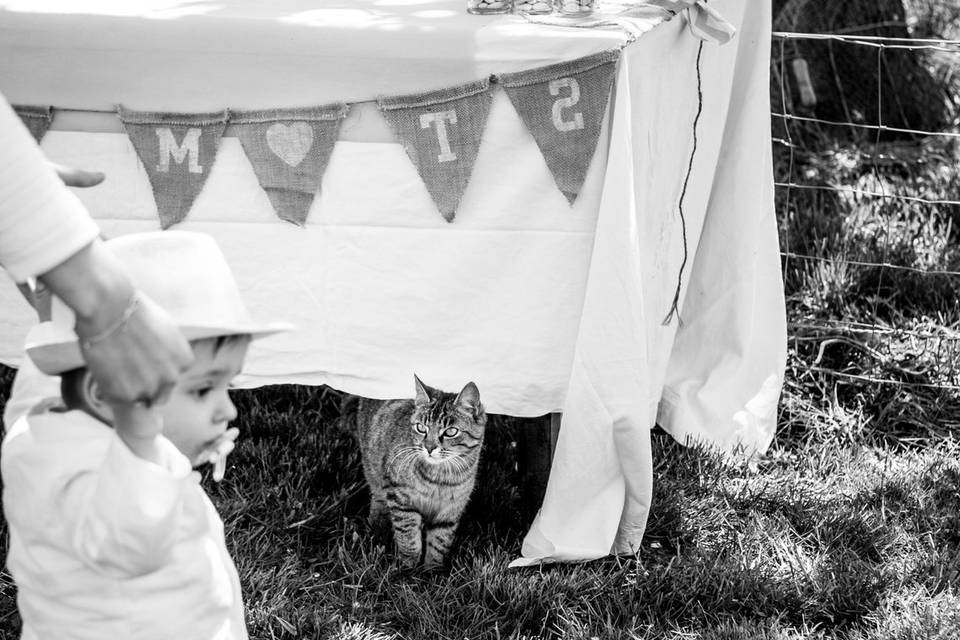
<point x="117" y="324"/>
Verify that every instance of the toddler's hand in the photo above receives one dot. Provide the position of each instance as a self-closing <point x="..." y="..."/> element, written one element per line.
<point x="216" y="453"/>
<point x="139" y="427"/>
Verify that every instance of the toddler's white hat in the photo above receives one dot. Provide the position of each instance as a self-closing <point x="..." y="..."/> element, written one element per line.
<point x="184" y="272"/>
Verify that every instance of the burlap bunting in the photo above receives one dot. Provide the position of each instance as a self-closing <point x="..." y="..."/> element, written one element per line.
<point x="441" y="131"/>
<point x="289" y="150"/>
<point x="563" y="106"/>
<point x="178" y="151"/>
<point x="35" y="119"/>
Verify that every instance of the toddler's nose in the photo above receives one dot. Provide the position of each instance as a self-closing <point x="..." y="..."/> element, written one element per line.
<point x="228" y="410"/>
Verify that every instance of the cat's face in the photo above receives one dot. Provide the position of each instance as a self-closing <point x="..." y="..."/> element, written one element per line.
<point x="448" y="428"/>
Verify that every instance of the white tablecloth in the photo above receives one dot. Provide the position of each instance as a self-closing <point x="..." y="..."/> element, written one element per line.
<point x="546" y="307"/>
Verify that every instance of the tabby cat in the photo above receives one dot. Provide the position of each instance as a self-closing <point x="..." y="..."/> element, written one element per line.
<point x="420" y="459"/>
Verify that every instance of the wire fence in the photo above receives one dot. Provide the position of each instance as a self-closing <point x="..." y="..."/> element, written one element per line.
<point x="868" y="198"/>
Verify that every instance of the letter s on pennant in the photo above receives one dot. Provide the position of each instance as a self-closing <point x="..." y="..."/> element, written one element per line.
<point x="188" y="149"/>
<point x="569" y="101"/>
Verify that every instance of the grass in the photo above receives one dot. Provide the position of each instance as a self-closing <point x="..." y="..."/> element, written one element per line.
<point x="828" y="537"/>
<point x="848" y="529"/>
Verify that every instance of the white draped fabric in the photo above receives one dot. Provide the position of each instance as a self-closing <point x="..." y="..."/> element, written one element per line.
<point x="547" y="307"/>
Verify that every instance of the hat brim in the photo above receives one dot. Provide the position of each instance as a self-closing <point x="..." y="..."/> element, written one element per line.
<point x="55" y="350"/>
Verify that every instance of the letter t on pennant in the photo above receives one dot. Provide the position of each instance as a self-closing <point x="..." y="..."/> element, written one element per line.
<point x="441" y="133"/>
<point x="441" y="118"/>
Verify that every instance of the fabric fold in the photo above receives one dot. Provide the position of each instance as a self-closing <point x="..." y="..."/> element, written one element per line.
<point x="602" y="470"/>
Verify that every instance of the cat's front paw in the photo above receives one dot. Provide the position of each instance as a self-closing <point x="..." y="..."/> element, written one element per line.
<point x="434" y="566"/>
<point x="408" y="562"/>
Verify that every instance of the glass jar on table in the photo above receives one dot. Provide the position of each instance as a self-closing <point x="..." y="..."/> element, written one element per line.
<point x="489" y="7"/>
<point x="574" y="7"/>
<point x="533" y="7"/>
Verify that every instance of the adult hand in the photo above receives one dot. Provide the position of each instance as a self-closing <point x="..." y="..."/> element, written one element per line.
<point x="73" y="177"/>
<point x="136" y="354"/>
<point x="141" y="359"/>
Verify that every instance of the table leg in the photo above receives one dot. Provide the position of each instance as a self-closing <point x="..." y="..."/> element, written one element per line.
<point x="536" y="443"/>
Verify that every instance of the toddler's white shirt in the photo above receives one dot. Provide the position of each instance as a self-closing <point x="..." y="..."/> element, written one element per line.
<point x="104" y="544"/>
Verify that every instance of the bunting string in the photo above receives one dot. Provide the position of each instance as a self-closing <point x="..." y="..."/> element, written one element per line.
<point x="562" y="105"/>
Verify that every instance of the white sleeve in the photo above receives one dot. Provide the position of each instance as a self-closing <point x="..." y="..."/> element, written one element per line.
<point x="124" y="517"/>
<point x="41" y="222"/>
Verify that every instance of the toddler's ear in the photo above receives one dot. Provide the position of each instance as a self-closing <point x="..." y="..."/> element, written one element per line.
<point x="90" y="397"/>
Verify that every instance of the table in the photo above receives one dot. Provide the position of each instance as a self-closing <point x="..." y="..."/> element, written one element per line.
<point x="547" y="307"/>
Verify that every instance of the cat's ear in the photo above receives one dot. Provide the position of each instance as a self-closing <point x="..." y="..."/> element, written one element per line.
<point x="423" y="391"/>
<point x="469" y="398"/>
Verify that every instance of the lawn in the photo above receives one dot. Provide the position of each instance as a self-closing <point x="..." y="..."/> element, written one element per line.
<point x="835" y="534"/>
<point x="848" y="528"/>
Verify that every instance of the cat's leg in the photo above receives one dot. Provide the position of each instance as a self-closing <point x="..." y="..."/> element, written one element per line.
<point x="437" y="542"/>
<point x="407" y="530"/>
<point x="407" y="533"/>
<point x="378" y="509"/>
<point x="379" y="518"/>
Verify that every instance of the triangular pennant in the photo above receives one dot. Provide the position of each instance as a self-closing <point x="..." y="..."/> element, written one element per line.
<point x="441" y="131"/>
<point x="35" y="119"/>
<point x="563" y="107"/>
<point x="178" y="151"/>
<point x="289" y="150"/>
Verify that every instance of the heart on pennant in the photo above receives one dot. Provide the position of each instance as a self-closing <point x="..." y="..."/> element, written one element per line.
<point x="290" y="143"/>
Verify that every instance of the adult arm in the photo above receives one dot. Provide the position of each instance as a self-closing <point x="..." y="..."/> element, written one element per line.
<point x="41" y="222"/>
<point x="45" y="232"/>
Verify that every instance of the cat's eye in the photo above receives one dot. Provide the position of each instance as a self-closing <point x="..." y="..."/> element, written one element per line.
<point x="420" y="428"/>
<point x="451" y="432"/>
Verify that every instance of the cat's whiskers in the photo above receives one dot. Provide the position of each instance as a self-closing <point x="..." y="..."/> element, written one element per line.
<point x="405" y="457"/>
<point x="404" y="451"/>
<point x="411" y="457"/>
<point x="460" y="463"/>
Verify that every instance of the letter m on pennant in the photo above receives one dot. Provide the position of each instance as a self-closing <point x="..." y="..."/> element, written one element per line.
<point x="189" y="148"/>
<point x="177" y="151"/>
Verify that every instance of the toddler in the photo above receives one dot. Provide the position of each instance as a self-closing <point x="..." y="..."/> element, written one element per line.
<point x="111" y="534"/>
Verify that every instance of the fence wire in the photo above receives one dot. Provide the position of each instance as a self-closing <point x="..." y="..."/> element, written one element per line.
<point x="869" y="212"/>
